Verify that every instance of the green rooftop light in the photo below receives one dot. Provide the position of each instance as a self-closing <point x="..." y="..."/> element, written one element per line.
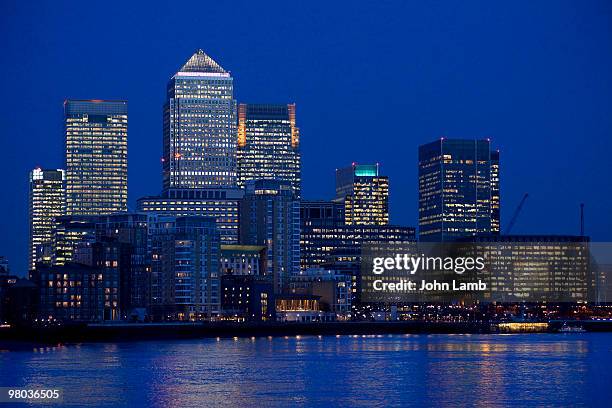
<point x="366" y="170"/>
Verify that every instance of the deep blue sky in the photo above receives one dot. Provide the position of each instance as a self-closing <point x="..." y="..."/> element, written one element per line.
<point x="372" y="80"/>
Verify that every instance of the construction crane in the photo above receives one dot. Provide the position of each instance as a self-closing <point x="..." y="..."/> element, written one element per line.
<point x="516" y="214"/>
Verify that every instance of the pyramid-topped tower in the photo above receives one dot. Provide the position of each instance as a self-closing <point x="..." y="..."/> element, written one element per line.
<point x="201" y="62"/>
<point x="199" y="164"/>
<point x="199" y="127"/>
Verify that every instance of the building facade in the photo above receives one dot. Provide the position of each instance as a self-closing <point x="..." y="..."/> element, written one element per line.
<point x="325" y="237"/>
<point x="270" y="216"/>
<point x="495" y="197"/>
<point x="125" y="237"/>
<point x="185" y="281"/>
<point x="247" y="298"/>
<point x="243" y="260"/>
<point x="96" y="156"/>
<point x="47" y="201"/>
<point x="19" y="299"/>
<point x="332" y="286"/>
<point x="321" y="213"/>
<point x="459" y="193"/>
<point x="77" y="292"/>
<point x="269" y="144"/>
<point x="199" y="145"/>
<point x="535" y="268"/>
<point x="322" y="245"/>
<point x="365" y="194"/>
<point x="116" y="245"/>
<point x="220" y="204"/>
<point x="72" y="239"/>
<point x="327" y="242"/>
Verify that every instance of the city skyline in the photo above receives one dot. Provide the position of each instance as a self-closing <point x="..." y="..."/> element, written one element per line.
<point x="403" y="187"/>
<point x="255" y="203"/>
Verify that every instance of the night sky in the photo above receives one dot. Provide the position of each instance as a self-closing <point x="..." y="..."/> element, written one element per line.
<point x="371" y="80"/>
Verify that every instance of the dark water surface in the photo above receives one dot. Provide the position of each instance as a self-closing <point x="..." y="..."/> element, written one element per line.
<point x="411" y="370"/>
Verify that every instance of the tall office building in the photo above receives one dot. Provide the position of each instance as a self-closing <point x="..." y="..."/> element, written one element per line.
<point x="96" y="156"/>
<point x="365" y="194"/>
<point x="458" y="189"/>
<point x="199" y="146"/>
<point x="268" y="144"/>
<point x="47" y="201"/>
<point x="270" y="216"/>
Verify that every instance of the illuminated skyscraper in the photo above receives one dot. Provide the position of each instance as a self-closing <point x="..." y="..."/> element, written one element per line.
<point x="47" y="201"/>
<point x="458" y="189"/>
<point x="365" y="194"/>
<point x="96" y="157"/>
<point x="268" y="144"/>
<point x="199" y="146"/>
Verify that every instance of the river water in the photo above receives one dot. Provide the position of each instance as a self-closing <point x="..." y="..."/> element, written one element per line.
<point x="409" y="370"/>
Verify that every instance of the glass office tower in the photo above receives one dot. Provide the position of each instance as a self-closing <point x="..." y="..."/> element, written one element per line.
<point x="268" y="144"/>
<point x="47" y="201"/>
<point x="365" y="194"/>
<point x="458" y="189"/>
<point x="199" y="146"/>
<point x="96" y="156"/>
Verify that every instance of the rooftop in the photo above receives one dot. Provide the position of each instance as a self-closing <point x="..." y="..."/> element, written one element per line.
<point x="200" y="62"/>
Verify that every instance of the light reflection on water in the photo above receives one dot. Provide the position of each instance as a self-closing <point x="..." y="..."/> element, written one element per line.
<point x="434" y="370"/>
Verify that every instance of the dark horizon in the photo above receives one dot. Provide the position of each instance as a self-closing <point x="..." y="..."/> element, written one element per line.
<point x="371" y="81"/>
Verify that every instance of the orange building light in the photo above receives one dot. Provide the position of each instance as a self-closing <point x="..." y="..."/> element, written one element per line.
<point x="242" y="125"/>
